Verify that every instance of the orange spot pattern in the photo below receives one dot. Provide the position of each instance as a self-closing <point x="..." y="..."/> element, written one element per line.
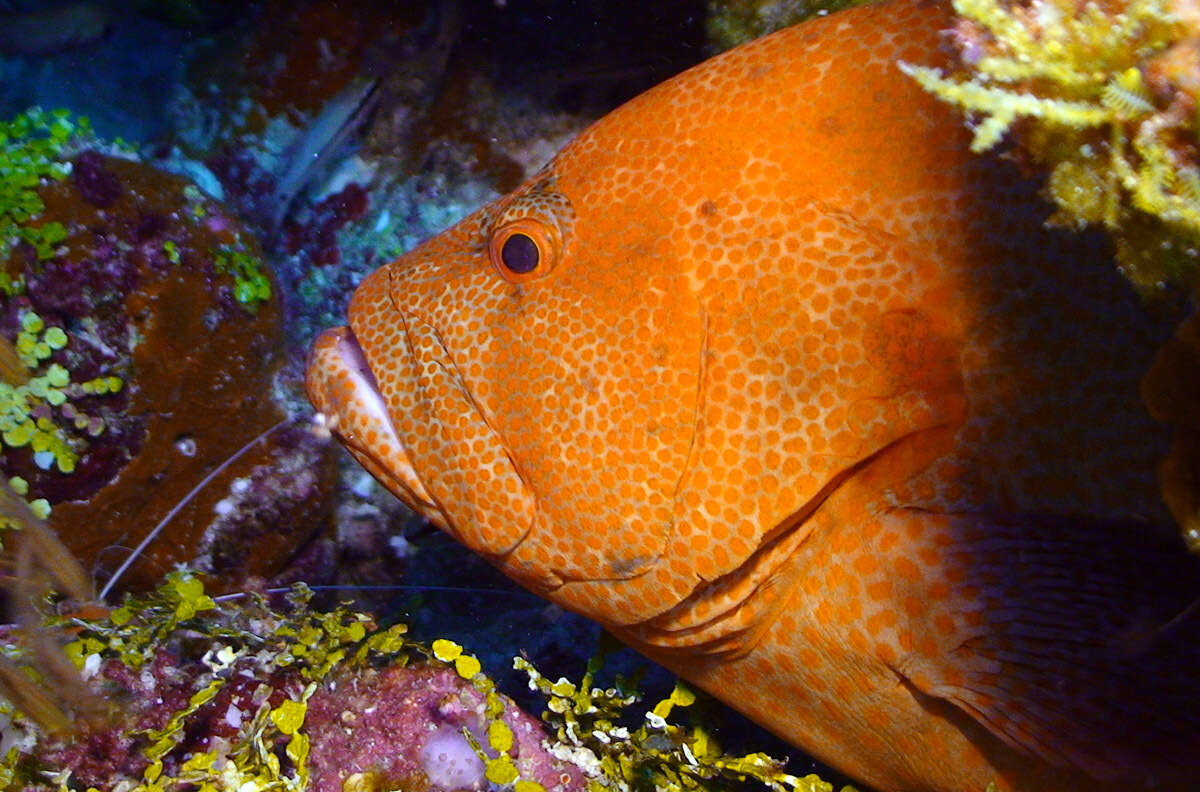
<point x="791" y="329"/>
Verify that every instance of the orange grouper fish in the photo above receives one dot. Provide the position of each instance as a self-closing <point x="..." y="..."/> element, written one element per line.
<point x="768" y="375"/>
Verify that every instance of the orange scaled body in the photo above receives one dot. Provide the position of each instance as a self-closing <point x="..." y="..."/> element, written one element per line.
<point x="771" y="377"/>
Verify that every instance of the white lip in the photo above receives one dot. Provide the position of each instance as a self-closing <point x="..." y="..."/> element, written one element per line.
<point x="366" y="389"/>
<point x="342" y="387"/>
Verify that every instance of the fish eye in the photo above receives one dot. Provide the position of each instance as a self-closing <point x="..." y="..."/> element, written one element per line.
<point x="523" y="249"/>
<point x="519" y="254"/>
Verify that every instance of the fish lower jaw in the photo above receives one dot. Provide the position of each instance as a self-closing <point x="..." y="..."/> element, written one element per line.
<point x="342" y="388"/>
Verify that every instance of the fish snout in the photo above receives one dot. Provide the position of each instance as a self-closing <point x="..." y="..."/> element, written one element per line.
<point x="343" y="390"/>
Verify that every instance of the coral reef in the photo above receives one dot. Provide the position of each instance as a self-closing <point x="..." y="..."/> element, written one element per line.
<point x="278" y="118"/>
<point x="408" y="727"/>
<point x="223" y="695"/>
<point x="147" y="344"/>
<point x="403" y="150"/>
<point x="278" y="108"/>
<point x="415" y="118"/>
<point x="592" y="728"/>
<point x="238" y="694"/>
<point x="37" y="398"/>
<point x="1103" y="97"/>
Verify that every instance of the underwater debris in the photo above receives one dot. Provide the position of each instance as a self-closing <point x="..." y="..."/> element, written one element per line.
<point x="218" y="693"/>
<point x="34" y="672"/>
<point x="328" y="135"/>
<point x="285" y="104"/>
<point x="1103" y="96"/>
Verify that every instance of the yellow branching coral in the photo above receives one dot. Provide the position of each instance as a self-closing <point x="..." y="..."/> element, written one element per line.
<point x="1103" y="95"/>
<point x="592" y="728"/>
<point x="241" y="693"/>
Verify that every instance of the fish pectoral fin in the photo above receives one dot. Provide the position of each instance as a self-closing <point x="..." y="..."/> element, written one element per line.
<point x="1071" y="639"/>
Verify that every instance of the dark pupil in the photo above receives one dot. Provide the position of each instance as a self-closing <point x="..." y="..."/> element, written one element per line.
<point x="519" y="254"/>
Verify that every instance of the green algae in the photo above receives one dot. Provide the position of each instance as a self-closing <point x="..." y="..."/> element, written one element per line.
<point x="32" y="147"/>
<point x="36" y="402"/>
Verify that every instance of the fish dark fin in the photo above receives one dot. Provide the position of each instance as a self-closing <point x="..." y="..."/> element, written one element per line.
<point x="1171" y="391"/>
<point x="1077" y="641"/>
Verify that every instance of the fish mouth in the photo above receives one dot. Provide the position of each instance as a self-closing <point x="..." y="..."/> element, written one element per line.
<point x="343" y="389"/>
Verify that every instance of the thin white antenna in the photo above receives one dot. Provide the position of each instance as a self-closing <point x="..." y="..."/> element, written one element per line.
<point x="150" y="537"/>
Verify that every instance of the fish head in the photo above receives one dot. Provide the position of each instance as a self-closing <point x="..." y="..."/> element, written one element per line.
<point x="530" y="386"/>
<point x="769" y="375"/>
<point x="626" y="379"/>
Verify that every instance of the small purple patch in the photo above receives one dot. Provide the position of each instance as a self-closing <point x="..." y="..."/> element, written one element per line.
<point x="317" y="235"/>
<point x="450" y="762"/>
<point x="96" y="184"/>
